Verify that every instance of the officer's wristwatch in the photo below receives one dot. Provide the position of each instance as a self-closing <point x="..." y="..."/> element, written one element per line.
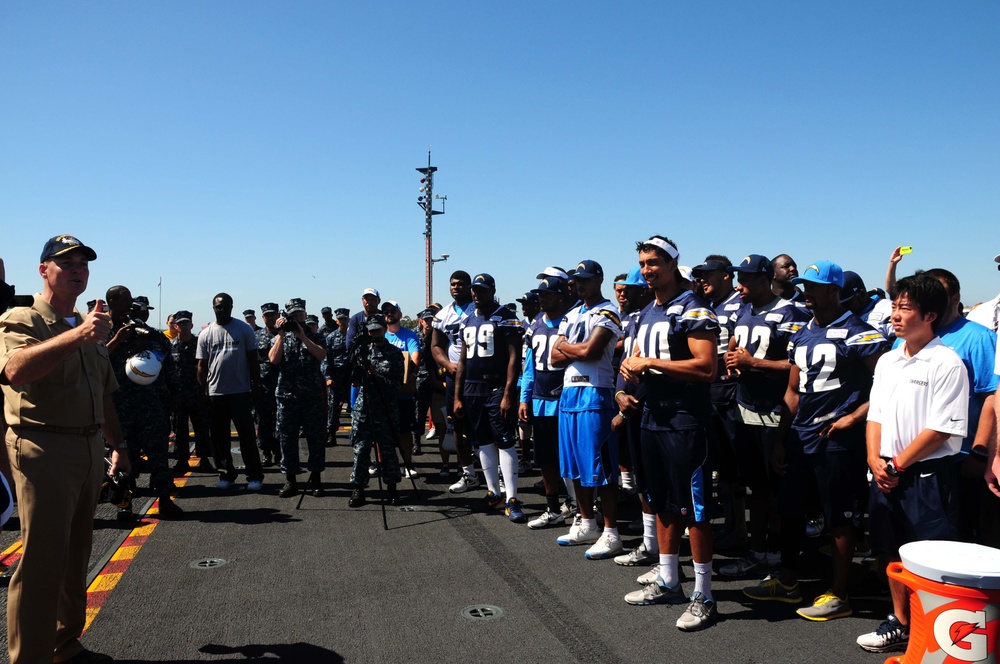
<point x="890" y="469"/>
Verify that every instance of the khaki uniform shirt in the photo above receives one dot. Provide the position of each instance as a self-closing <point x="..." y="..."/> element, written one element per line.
<point x="72" y="394"/>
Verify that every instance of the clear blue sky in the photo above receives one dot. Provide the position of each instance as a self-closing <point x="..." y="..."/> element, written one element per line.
<point x="267" y="149"/>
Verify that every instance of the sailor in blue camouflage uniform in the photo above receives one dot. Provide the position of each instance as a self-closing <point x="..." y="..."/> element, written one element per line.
<point x="337" y="373"/>
<point x="142" y="409"/>
<point x="267" y="404"/>
<point x="187" y="398"/>
<point x="374" y="419"/>
<point x="297" y="353"/>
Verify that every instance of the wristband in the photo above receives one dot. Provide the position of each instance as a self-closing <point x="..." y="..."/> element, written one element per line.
<point x="979" y="453"/>
<point x="619" y="392"/>
<point x="899" y="466"/>
<point x="622" y="415"/>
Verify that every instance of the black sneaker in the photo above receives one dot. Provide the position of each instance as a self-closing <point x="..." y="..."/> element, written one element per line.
<point x="205" y="466"/>
<point x="357" y="498"/>
<point x="169" y="509"/>
<point x="331" y="438"/>
<point x="317" y="486"/>
<point x="125" y="516"/>
<point x="417" y="451"/>
<point x="290" y="489"/>
<point x="392" y="496"/>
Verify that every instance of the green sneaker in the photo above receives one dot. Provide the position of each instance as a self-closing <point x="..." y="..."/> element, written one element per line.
<point x="773" y="590"/>
<point x="826" y="607"/>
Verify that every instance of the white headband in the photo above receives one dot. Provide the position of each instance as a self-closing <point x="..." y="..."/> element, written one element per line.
<point x="663" y="244"/>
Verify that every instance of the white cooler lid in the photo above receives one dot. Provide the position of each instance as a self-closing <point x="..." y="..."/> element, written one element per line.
<point x="957" y="563"/>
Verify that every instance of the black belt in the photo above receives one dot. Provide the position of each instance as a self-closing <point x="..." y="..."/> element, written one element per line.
<point x="72" y="431"/>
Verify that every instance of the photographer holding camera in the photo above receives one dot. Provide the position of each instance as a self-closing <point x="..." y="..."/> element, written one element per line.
<point x="142" y="409"/>
<point x="378" y="371"/>
<point x="297" y="353"/>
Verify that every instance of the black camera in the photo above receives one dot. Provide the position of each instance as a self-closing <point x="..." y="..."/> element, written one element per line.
<point x="116" y="489"/>
<point x="288" y="325"/>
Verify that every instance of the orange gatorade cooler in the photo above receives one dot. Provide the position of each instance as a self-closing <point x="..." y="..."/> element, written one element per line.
<point x="955" y="603"/>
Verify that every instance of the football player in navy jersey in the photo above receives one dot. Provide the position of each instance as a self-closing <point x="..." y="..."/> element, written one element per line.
<point x="785" y="270"/>
<point x="541" y="385"/>
<point x="674" y="355"/>
<point x="821" y="439"/>
<point x="486" y="390"/>
<point x="757" y="356"/>
<point x="717" y="287"/>
<point x="588" y="449"/>
<point x="632" y="299"/>
<point x="446" y="348"/>
<point x="872" y="309"/>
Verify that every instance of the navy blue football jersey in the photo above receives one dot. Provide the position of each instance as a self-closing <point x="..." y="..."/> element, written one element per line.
<point x="548" y="380"/>
<point x="833" y="379"/>
<point x="662" y="332"/>
<point x="486" y="339"/>
<point x="765" y="335"/>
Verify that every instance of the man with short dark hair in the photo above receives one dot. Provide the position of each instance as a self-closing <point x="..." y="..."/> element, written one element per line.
<point x="329" y="322"/>
<point x="227" y="368"/>
<point x="917" y="417"/>
<point x="446" y="347"/>
<point x="266" y="403"/>
<point x="785" y="270"/>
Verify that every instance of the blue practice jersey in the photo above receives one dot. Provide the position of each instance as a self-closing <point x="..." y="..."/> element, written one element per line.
<point x="833" y="379"/>
<point x="486" y="357"/>
<point x="662" y="332"/>
<point x="765" y="335"/>
<point x="541" y="384"/>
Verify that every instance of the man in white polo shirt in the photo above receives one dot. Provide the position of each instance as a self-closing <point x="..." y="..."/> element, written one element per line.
<point x="917" y="418"/>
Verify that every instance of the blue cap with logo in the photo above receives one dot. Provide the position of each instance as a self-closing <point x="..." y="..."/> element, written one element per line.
<point x="827" y="273"/>
<point x="588" y="269"/>
<point x="551" y="285"/>
<point x="753" y="264"/>
<point x="484" y="280"/>
<point x="63" y="244"/>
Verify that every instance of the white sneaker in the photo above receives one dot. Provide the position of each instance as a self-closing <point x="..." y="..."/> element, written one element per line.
<point x="409" y="473"/>
<point x="638" y="556"/>
<point x="465" y="483"/>
<point x="223" y="484"/>
<point x="569" y="509"/>
<point x="752" y="563"/>
<point x="607" y="547"/>
<point x="649" y="577"/>
<point x="546" y="519"/>
<point x="373" y="470"/>
<point x="432" y="434"/>
<point x="578" y="534"/>
<point x="255" y="485"/>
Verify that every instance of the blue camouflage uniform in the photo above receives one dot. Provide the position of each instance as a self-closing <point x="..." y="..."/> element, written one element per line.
<point x="300" y="405"/>
<point x="375" y="417"/>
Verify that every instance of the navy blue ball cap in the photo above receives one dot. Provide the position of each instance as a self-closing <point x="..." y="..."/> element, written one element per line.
<point x="528" y="297"/>
<point x="753" y="264"/>
<point x="853" y="284"/>
<point x="182" y="316"/>
<point x="708" y="266"/>
<point x="551" y="285"/>
<point x="63" y="244"/>
<point x="484" y="280"/>
<point x="588" y="269"/>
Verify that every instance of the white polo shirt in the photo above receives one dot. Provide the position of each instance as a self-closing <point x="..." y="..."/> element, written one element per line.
<point x="927" y="391"/>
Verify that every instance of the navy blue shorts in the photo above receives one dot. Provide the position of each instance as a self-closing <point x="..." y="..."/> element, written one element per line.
<point x="673" y="464"/>
<point x="545" y="434"/>
<point x="923" y="506"/>
<point x="483" y="423"/>
<point x="838" y="476"/>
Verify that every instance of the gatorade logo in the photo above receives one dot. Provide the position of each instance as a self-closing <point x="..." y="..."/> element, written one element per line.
<point x="961" y="634"/>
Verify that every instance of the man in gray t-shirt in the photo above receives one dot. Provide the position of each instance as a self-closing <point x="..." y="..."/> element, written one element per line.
<point x="227" y="368"/>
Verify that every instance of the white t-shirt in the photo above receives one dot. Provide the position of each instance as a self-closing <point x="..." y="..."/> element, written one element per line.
<point x="927" y="391"/>
<point x="225" y="349"/>
<point x="577" y="326"/>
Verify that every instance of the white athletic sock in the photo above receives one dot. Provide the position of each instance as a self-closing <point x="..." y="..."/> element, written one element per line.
<point x="649" y="533"/>
<point x="628" y="483"/>
<point x="470" y="470"/>
<point x="589" y="524"/>
<point x="611" y="531"/>
<point x="668" y="569"/>
<point x="508" y="466"/>
<point x="488" y="458"/>
<point x="703" y="580"/>
<point x="570" y="489"/>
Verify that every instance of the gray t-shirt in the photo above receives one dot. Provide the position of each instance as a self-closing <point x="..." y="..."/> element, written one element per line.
<point x="225" y="348"/>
